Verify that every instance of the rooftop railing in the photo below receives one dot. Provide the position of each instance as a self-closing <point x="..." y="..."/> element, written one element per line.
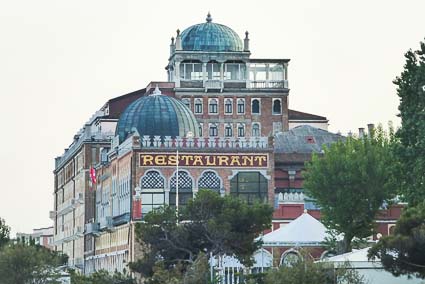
<point x="205" y="142"/>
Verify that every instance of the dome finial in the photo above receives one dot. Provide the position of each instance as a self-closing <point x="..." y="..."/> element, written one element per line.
<point x="209" y="19"/>
<point x="157" y="91"/>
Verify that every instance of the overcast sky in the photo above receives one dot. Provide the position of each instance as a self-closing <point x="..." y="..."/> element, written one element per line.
<point x="60" y="61"/>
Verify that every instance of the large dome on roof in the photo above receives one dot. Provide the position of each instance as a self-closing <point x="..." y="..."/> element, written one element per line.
<point x="157" y="115"/>
<point x="210" y="36"/>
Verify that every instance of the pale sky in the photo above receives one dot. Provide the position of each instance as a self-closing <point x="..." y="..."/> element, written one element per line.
<point x="60" y="61"/>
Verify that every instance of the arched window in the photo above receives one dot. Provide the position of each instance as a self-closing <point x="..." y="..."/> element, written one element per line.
<point x="255" y="106"/>
<point x="228" y="130"/>
<point x="185" y="188"/>
<point x="209" y="180"/>
<point x="186" y="102"/>
<point x="241" y="130"/>
<point x="249" y="186"/>
<point x="213" y="106"/>
<point x="277" y="106"/>
<point x="256" y="130"/>
<point x="152" y="184"/>
<point x="241" y="106"/>
<point x="289" y="258"/>
<point x="228" y="106"/>
<point x="201" y="130"/>
<point x="213" y="129"/>
<point x="198" y="106"/>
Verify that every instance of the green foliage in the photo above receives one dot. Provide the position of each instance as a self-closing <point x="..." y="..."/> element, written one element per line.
<point x="101" y="277"/>
<point x="411" y="151"/>
<point x="4" y="233"/>
<point x="22" y="264"/>
<point x="351" y="181"/>
<point x="307" y="272"/>
<point x="207" y="224"/>
<point x="404" y="251"/>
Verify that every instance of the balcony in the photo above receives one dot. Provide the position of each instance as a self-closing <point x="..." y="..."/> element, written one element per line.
<point x="121" y="219"/>
<point x="105" y="223"/>
<point x="68" y="235"/>
<point x="213" y="85"/>
<point x="92" y="228"/>
<point x="70" y="204"/>
<point x="264" y="84"/>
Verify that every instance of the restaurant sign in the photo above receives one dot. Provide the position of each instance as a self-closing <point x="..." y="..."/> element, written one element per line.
<point x="204" y="160"/>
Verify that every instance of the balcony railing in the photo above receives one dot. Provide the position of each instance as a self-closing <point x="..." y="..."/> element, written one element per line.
<point x="68" y="235"/>
<point x="205" y="142"/>
<point x="265" y="84"/>
<point x="213" y="84"/>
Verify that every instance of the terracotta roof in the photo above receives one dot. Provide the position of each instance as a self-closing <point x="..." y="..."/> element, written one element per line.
<point x="298" y="115"/>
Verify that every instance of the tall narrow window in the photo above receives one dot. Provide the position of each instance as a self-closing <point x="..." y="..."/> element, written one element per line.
<point x="228" y="106"/>
<point x="213" y="129"/>
<point x="213" y="106"/>
<point x="255" y="129"/>
<point x="198" y="106"/>
<point x="241" y="106"/>
<point x="277" y="106"/>
<point x="186" y="102"/>
<point x="201" y="129"/>
<point x="228" y="130"/>
<point x="241" y="130"/>
<point x="255" y="106"/>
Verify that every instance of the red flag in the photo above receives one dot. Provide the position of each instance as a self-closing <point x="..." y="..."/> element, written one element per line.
<point x="93" y="175"/>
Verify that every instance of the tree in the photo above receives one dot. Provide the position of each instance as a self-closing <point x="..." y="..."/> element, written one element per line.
<point x="4" y="233"/>
<point x="350" y="182"/>
<point x="209" y="224"/>
<point x="404" y="251"/>
<point x="101" y="277"/>
<point x="411" y="151"/>
<point x="22" y="264"/>
<point x="305" y="271"/>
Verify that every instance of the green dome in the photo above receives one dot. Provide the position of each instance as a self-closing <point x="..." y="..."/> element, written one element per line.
<point x="210" y="36"/>
<point x="157" y="115"/>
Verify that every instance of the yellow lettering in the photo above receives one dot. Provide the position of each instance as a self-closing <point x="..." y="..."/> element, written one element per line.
<point x="235" y="161"/>
<point x="223" y="160"/>
<point x="260" y="160"/>
<point x="186" y="159"/>
<point x="160" y="160"/>
<point x="172" y="160"/>
<point x="211" y="160"/>
<point x="197" y="161"/>
<point x="147" y="160"/>
<point x="247" y="159"/>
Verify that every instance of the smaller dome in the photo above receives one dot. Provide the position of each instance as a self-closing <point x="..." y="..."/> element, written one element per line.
<point x="210" y="36"/>
<point x="157" y="115"/>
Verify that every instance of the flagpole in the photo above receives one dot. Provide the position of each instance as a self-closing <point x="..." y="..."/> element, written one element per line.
<point x="177" y="184"/>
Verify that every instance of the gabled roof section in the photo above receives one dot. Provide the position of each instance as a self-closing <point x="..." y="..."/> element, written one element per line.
<point x="303" y="231"/>
<point x="298" y="115"/>
<point x="304" y="139"/>
<point x="118" y="104"/>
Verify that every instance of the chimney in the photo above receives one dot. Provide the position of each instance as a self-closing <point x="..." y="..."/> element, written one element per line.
<point x="178" y="41"/>
<point x="246" y="42"/>
<point x="172" y="46"/>
<point x="370" y="129"/>
<point x="361" y="132"/>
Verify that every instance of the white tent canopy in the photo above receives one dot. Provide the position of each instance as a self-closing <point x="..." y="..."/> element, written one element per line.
<point x="303" y="231"/>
